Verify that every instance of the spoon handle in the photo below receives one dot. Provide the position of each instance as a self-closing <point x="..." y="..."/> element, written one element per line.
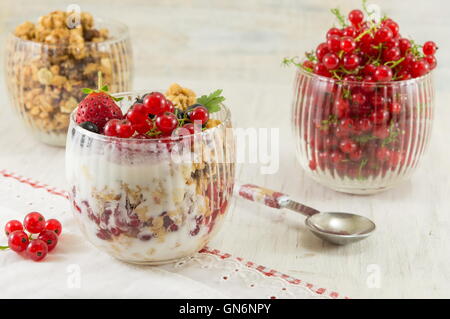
<point x="272" y="198"/>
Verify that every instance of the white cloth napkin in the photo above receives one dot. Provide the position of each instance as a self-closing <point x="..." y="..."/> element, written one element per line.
<point x="76" y="269"/>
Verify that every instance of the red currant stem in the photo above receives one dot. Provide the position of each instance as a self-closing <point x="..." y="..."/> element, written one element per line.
<point x="339" y="16"/>
<point x="311" y="56"/>
<point x="335" y="74"/>
<point x="393" y="64"/>
<point x="153" y="133"/>
<point x="4" y="247"/>
<point x="291" y="61"/>
<point x="414" y="50"/>
<point x="370" y="30"/>
<point x="366" y="10"/>
<point x="362" y="165"/>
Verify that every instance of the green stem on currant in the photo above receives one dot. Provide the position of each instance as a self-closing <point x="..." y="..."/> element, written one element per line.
<point x="393" y="64"/>
<point x="339" y="16"/>
<point x="290" y="61"/>
<point x="365" y="9"/>
<point x="4" y="247"/>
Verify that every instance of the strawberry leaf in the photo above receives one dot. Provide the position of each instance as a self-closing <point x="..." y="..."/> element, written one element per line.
<point x="104" y="88"/>
<point x="212" y="102"/>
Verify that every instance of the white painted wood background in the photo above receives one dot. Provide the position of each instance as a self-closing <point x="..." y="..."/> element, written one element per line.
<point x="238" y="46"/>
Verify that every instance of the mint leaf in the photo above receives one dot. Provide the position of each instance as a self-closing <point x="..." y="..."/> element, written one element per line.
<point x="87" y="91"/>
<point x="212" y="102"/>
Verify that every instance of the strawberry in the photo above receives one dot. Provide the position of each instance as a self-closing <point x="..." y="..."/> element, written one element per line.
<point x="98" y="107"/>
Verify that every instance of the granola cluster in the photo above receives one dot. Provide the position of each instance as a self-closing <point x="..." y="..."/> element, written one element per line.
<point x="46" y="77"/>
<point x="181" y="97"/>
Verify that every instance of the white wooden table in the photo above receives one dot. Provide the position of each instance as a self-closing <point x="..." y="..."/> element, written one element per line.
<point x="238" y="46"/>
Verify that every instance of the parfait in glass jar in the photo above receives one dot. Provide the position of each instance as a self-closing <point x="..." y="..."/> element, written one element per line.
<point x="150" y="174"/>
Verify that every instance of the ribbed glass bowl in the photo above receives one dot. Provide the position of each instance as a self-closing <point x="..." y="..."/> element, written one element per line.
<point x="361" y="138"/>
<point x="45" y="80"/>
<point x="150" y="201"/>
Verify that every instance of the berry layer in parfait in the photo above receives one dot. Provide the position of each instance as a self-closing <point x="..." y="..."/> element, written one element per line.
<point x="363" y="104"/>
<point x="150" y="174"/>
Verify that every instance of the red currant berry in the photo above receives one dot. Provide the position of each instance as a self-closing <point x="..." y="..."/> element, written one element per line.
<point x="155" y="103"/>
<point x="34" y="222"/>
<point x="341" y="107"/>
<point x="166" y="122"/>
<point x="383" y="73"/>
<point x="381" y="132"/>
<point x="347" y="44"/>
<point x="334" y="31"/>
<point x="380" y="116"/>
<point x="369" y="69"/>
<point x="321" y="50"/>
<point x="54" y="225"/>
<point x="168" y="107"/>
<point x="124" y="129"/>
<point x="378" y="100"/>
<point x="392" y="43"/>
<point x="358" y="98"/>
<point x="395" y="108"/>
<point x="404" y="75"/>
<point x="382" y="35"/>
<point x="349" y="32"/>
<point x="137" y="114"/>
<point x="431" y="60"/>
<point x="348" y="146"/>
<point x="18" y="241"/>
<point x="313" y="165"/>
<point x="429" y="48"/>
<point x="395" y="159"/>
<point x="143" y="127"/>
<point x="190" y="127"/>
<point x="404" y="45"/>
<point x="336" y="157"/>
<point x="392" y="54"/>
<point x="356" y="17"/>
<point x="351" y="61"/>
<point x="368" y="85"/>
<point x="420" y="68"/>
<point x="363" y="125"/>
<point x="393" y="26"/>
<point x="320" y="69"/>
<point x="111" y="127"/>
<point x="383" y="154"/>
<point x="334" y="43"/>
<point x="180" y="132"/>
<point x="12" y="226"/>
<point x="50" y="238"/>
<point x="330" y="61"/>
<point x="356" y="155"/>
<point x="37" y="249"/>
<point x="350" y="78"/>
<point x="200" y="113"/>
<point x="346" y="125"/>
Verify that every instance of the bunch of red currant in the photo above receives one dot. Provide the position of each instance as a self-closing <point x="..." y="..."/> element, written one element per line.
<point x="34" y="248"/>
<point x="368" y="51"/>
<point x="154" y="116"/>
<point x="364" y="123"/>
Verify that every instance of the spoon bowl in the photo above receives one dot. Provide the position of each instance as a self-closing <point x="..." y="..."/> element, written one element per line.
<point x="340" y="228"/>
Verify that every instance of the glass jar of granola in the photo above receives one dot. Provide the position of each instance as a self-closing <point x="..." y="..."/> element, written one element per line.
<point x="151" y="200"/>
<point x="48" y="64"/>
